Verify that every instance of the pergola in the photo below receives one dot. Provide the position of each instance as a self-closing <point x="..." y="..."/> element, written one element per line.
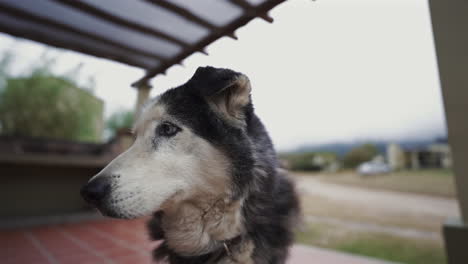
<point x="149" y="34"/>
<point x="156" y="34"/>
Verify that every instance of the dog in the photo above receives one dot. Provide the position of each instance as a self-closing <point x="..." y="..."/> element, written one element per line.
<point x="204" y="166"/>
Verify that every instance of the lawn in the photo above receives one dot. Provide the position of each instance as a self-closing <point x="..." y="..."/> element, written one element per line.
<point x="383" y="246"/>
<point x="352" y="225"/>
<point x="322" y="208"/>
<point x="438" y="182"/>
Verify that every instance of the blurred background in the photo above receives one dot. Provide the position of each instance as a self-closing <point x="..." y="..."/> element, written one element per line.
<point x="349" y="91"/>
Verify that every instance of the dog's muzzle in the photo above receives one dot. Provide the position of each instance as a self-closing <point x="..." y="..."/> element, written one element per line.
<point x="96" y="190"/>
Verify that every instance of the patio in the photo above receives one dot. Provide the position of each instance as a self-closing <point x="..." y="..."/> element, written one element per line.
<point x="116" y="241"/>
<point x="112" y="32"/>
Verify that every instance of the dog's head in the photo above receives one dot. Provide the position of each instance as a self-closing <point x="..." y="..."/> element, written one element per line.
<point x="182" y="147"/>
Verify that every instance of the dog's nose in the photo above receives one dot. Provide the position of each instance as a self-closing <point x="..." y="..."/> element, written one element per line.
<point x="94" y="191"/>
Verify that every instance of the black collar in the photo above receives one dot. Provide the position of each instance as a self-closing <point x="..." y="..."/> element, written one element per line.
<point x="226" y="249"/>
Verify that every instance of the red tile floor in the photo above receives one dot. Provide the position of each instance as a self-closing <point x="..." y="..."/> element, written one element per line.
<point x="114" y="242"/>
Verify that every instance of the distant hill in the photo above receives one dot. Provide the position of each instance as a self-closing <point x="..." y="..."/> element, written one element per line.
<point x="341" y="148"/>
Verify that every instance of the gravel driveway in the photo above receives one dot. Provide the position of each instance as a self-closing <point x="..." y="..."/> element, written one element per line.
<point x="379" y="200"/>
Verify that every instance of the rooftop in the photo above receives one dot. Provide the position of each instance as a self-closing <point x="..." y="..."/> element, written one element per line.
<point x="149" y="34"/>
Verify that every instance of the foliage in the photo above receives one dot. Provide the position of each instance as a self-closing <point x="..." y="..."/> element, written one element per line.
<point x="373" y="244"/>
<point x="119" y="120"/>
<point x="308" y="161"/>
<point x="394" y="249"/>
<point x="5" y="62"/>
<point x="40" y="104"/>
<point x="49" y="107"/>
<point x="436" y="182"/>
<point x="359" y="155"/>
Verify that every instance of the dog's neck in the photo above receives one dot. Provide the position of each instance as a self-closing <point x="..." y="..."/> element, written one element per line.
<point x="206" y="224"/>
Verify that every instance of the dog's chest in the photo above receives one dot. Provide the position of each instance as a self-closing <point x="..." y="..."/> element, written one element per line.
<point x="196" y="228"/>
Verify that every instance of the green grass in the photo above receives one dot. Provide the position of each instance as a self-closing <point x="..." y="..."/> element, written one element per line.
<point x="370" y="243"/>
<point x="317" y="206"/>
<point x="394" y="249"/>
<point x="375" y="245"/>
<point x="437" y="182"/>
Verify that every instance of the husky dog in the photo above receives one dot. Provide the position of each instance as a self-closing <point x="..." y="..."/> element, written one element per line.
<point x="203" y="165"/>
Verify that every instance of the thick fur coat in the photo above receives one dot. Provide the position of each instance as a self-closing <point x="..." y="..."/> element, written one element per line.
<point x="205" y="166"/>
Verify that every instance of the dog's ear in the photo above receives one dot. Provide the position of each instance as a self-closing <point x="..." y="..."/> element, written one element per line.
<point x="225" y="90"/>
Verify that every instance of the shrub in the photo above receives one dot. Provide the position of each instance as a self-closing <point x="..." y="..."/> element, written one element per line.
<point x="359" y="154"/>
<point x="42" y="105"/>
<point x="119" y="120"/>
<point x="308" y="161"/>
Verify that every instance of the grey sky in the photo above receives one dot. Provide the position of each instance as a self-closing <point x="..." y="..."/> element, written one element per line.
<point x="325" y="70"/>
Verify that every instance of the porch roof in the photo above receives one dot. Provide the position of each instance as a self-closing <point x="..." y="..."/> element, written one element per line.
<point x="149" y="34"/>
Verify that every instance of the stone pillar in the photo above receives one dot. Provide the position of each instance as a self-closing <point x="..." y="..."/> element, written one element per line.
<point x="396" y="157"/>
<point x="415" y="165"/>
<point x="450" y="26"/>
<point x="142" y="96"/>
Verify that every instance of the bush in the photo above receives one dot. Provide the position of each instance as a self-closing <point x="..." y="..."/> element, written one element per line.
<point x="42" y="105"/>
<point x="308" y="161"/>
<point x="359" y="154"/>
<point x="119" y="120"/>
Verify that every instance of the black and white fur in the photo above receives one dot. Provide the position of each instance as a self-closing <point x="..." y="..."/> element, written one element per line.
<point x="204" y="166"/>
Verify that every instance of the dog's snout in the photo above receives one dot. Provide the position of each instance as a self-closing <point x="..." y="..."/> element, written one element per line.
<point x="94" y="191"/>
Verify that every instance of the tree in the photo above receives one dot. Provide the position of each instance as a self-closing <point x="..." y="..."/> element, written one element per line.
<point x="308" y="161"/>
<point x="119" y="120"/>
<point x="359" y="154"/>
<point x="41" y="104"/>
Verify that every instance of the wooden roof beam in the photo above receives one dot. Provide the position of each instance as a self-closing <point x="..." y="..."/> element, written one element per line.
<point x="50" y="23"/>
<point x="34" y="35"/>
<point x="242" y="3"/>
<point x="250" y="9"/>
<point x="102" y="14"/>
<point x="199" y="47"/>
<point x="186" y="14"/>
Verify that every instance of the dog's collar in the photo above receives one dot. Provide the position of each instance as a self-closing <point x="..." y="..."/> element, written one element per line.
<point x="230" y="243"/>
<point x="226" y="249"/>
<point x="228" y="252"/>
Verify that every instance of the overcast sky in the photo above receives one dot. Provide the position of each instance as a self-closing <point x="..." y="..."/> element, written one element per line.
<point x="324" y="71"/>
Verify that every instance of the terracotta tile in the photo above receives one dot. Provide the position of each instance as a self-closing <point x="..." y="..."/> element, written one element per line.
<point x="124" y="242"/>
<point x="57" y="244"/>
<point x="25" y="259"/>
<point x="119" y="252"/>
<point x="81" y="259"/>
<point x="136" y="259"/>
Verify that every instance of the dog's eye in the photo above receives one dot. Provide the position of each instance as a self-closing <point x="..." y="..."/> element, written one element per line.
<point x="167" y="129"/>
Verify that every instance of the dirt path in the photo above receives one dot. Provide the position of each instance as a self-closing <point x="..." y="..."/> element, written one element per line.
<point x="376" y="228"/>
<point x="386" y="202"/>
